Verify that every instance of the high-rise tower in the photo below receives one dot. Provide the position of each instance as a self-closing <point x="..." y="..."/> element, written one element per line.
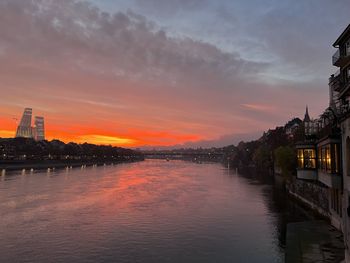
<point x="24" y="129"/>
<point x="39" y="129"/>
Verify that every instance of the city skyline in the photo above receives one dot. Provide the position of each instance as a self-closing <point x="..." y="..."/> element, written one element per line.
<point x="131" y="73"/>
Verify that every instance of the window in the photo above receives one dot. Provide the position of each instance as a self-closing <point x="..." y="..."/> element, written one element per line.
<point x="323" y="159"/>
<point x="347" y="48"/>
<point x="329" y="158"/>
<point x="319" y="152"/>
<point x="310" y="158"/>
<point x="301" y="158"/>
<point x="306" y="158"/>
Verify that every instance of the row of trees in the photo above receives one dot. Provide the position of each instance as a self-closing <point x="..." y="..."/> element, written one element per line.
<point x="29" y="149"/>
<point x="276" y="148"/>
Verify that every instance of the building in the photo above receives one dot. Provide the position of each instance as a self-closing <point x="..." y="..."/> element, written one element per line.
<point x="324" y="155"/>
<point x="319" y="162"/>
<point x="339" y="85"/>
<point x="39" y="129"/>
<point x="26" y="130"/>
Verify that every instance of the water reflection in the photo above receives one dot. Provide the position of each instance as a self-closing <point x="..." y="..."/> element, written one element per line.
<point x="152" y="211"/>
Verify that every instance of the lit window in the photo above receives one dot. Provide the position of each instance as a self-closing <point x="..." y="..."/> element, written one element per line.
<point x="328" y="158"/>
<point x="301" y="158"/>
<point x="306" y="159"/>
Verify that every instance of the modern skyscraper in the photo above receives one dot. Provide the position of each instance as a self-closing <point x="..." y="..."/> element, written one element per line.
<point x="39" y="129"/>
<point x="24" y="129"/>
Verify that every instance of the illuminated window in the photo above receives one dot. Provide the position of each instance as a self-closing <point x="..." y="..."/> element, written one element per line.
<point x="301" y="158"/>
<point x="323" y="159"/>
<point x="306" y="159"/>
<point x="319" y="152"/>
<point x="310" y="158"/>
<point x="328" y="158"/>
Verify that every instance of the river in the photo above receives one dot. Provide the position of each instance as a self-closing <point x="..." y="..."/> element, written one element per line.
<point x="151" y="211"/>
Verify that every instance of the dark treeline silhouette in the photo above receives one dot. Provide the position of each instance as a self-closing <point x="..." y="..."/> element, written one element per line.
<point x="29" y="150"/>
<point x="275" y="148"/>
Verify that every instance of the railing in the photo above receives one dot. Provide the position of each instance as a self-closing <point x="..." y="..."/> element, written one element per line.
<point x="336" y="57"/>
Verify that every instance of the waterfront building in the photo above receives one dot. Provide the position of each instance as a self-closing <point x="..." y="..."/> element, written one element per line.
<point x="327" y="140"/>
<point x="339" y="86"/>
<point x="319" y="162"/>
<point x="25" y="128"/>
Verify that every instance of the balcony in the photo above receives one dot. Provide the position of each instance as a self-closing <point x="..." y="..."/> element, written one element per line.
<point x="336" y="83"/>
<point x="344" y="90"/>
<point x="340" y="60"/>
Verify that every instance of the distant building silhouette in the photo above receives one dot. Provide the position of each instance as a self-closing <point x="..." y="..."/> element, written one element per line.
<point x="25" y="129"/>
<point x="39" y="129"/>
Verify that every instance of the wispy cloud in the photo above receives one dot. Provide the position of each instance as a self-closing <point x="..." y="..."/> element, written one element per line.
<point x="259" y="107"/>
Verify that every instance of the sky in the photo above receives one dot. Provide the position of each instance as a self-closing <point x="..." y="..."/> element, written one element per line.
<point x="137" y="73"/>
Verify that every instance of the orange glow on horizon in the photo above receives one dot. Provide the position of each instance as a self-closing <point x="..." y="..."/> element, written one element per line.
<point x="103" y="136"/>
<point x="105" y="140"/>
<point x="7" y="134"/>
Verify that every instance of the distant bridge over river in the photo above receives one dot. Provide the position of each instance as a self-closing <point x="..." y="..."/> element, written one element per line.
<point x="185" y="155"/>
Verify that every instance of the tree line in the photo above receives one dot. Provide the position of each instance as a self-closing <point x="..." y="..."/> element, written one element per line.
<point x="29" y="149"/>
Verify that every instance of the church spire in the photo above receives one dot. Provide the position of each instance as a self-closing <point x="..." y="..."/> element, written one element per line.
<point x="307" y="117"/>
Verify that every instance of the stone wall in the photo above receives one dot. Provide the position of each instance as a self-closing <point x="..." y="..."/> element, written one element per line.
<point x="313" y="193"/>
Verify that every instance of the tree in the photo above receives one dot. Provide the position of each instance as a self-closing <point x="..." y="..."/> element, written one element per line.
<point x="262" y="157"/>
<point x="285" y="158"/>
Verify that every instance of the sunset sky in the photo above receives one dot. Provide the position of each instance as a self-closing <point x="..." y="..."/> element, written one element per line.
<point x="165" y="72"/>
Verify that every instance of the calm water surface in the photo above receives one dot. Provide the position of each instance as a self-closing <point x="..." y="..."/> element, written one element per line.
<point x="152" y="211"/>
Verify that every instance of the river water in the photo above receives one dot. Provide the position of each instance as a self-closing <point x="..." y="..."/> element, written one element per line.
<point x="151" y="211"/>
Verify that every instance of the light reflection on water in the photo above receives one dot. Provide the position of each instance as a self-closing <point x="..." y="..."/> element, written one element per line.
<point x="152" y="211"/>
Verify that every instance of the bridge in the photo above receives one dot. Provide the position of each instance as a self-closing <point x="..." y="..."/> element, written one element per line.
<point x="184" y="155"/>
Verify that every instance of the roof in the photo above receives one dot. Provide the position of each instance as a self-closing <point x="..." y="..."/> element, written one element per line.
<point x="345" y="33"/>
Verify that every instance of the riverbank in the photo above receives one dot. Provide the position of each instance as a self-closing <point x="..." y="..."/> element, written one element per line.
<point x="314" y="241"/>
<point x="318" y="237"/>
<point x="44" y="165"/>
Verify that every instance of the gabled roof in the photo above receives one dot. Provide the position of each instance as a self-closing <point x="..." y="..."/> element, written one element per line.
<point x="345" y="33"/>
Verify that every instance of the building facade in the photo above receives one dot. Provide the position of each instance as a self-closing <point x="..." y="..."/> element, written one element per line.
<point x="25" y="128"/>
<point x="324" y="156"/>
<point x="339" y="84"/>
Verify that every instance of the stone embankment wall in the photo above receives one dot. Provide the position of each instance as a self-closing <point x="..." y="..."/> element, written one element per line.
<point x="311" y="194"/>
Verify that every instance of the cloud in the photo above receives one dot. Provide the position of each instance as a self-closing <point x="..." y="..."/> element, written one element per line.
<point x="171" y="7"/>
<point x="121" y="72"/>
<point x="257" y="107"/>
